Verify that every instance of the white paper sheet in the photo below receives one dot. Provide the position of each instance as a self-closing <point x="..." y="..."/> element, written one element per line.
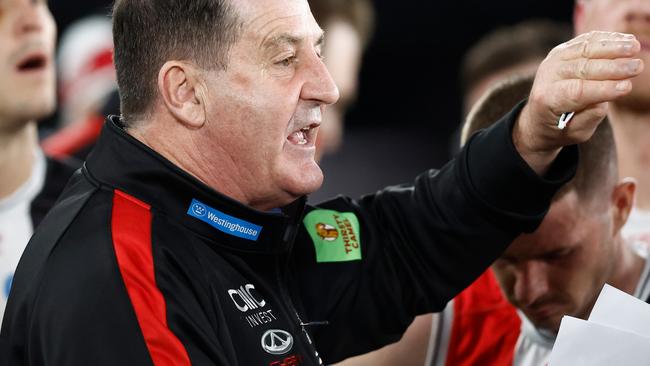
<point x="582" y="343"/>
<point x="617" y="333"/>
<point x="615" y="308"/>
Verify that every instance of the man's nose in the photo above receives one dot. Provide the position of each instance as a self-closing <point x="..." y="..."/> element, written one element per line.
<point x="319" y="85"/>
<point x="531" y="283"/>
<point x="637" y="13"/>
<point x="28" y="19"/>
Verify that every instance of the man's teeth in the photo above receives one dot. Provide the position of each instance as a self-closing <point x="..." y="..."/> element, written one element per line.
<point x="300" y="137"/>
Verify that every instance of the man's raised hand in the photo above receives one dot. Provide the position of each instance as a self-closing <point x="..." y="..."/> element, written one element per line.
<point x="579" y="76"/>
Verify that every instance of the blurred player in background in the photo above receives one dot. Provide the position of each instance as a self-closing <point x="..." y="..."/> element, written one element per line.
<point x="630" y="116"/>
<point x="29" y="181"/>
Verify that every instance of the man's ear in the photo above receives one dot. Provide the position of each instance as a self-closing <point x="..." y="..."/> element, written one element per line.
<point x="622" y="202"/>
<point x="178" y="83"/>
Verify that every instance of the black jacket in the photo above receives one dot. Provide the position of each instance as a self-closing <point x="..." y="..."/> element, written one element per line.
<point x="57" y="174"/>
<point x="140" y="264"/>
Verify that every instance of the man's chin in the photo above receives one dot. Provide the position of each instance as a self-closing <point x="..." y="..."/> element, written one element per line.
<point x="639" y="98"/>
<point x="638" y="102"/>
<point x="547" y="325"/>
<point x="304" y="181"/>
<point x="547" y="319"/>
<point x="36" y="108"/>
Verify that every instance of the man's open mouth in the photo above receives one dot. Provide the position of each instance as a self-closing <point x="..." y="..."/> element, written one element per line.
<point x="645" y="45"/>
<point x="304" y="136"/>
<point x="34" y="62"/>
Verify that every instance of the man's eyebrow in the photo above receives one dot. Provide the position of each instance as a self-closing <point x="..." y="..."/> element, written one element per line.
<point x="286" y="38"/>
<point x="281" y="39"/>
<point x="321" y="40"/>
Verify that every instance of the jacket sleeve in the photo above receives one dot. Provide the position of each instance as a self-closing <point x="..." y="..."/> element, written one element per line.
<point x="419" y="245"/>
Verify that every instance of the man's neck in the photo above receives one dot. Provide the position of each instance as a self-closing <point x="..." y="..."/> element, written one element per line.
<point x="628" y="267"/>
<point x="192" y="161"/>
<point x="16" y="157"/>
<point x="632" y="135"/>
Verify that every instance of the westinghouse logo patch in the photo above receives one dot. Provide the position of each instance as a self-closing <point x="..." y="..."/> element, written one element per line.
<point x="335" y="235"/>
<point x="223" y="222"/>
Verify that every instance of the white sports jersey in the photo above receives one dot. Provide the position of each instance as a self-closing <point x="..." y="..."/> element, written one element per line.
<point x="534" y="345"/>
<point x="16" y="225"/>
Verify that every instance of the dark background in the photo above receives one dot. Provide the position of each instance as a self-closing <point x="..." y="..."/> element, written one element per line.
<point x="409" y="97"/>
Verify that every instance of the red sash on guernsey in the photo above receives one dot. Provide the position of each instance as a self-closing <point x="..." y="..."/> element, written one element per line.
<point x="485" y="326"/>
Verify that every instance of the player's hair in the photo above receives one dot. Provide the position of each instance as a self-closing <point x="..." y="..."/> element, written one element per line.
<point x="597" y="167"/>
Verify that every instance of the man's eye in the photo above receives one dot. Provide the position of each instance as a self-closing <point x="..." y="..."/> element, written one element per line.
<point x="287" y="61"/>
<point x="558" y="254"/>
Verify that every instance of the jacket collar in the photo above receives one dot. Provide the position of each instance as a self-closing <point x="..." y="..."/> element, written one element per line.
<point x="121" y="162"/>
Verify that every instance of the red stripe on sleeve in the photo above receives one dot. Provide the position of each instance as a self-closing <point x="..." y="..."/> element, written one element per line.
<point x="131" y="228"/>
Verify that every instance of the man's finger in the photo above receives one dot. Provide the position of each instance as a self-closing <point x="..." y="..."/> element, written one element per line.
<point x="585" y="122"/>
<point x="600" y="69"/>
<point x="600" y="35"/>
<point x="604" y="48"/>
<point x="578" y="94"/>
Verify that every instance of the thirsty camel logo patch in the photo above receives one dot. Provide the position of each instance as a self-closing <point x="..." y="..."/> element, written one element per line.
<point x="335" y="235"/>
<point x="326" y="232"/>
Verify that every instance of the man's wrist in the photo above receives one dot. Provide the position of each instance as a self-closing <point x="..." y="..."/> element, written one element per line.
<point x="524" y="141"/>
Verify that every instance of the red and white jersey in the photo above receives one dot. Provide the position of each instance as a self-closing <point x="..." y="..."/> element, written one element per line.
<point x="480" y="328"/>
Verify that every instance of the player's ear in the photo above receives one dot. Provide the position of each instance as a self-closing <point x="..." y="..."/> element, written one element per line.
<point x="622" y="202"/>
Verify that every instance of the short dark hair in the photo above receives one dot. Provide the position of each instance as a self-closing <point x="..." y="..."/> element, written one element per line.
<point x="597" y="167"/>
<point x="148" y="33"/>
<point x="507" y="47"/>
<point x="495" y="103"/>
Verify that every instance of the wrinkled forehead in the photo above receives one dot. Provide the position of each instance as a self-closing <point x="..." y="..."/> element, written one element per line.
<point x="266" y="18"/>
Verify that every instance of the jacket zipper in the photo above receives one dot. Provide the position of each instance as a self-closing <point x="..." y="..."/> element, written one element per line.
<point x="287" y="299"/>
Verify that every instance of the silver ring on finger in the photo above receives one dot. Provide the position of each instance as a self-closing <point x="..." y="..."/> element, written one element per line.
<point x="564" y="120"/>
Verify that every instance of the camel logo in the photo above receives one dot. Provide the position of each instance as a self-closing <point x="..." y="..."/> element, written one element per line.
<point x="327" y="232"/>
<point x="277" y="342"/>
